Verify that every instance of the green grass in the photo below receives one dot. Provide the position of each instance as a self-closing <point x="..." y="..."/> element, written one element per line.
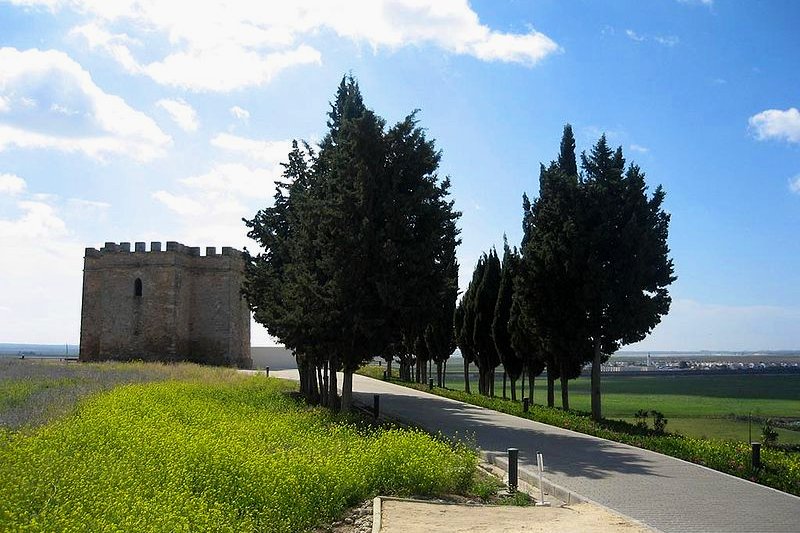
<point x="235" y="454"/>
<point x="696" y="405"/>
<point x="724" y="428"/>
<point x="781" y="470"/>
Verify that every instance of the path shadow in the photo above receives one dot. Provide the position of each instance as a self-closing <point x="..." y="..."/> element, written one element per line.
<point x="567" y="453"/>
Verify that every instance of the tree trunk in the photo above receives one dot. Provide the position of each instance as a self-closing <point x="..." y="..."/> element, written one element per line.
<point x="523" y="382"/>
<point x="320" y="385"/>
<point x="326" y="397"/>
<point x="505" y="375"/>
<point x="333" y="391"/>
<point x="551" y="380"/>
<point x="564" y="386"/>
<point x="389" y="367"/>
<point x="439" y="374"/>
<point x="491" y="383"/>
<point x="531" y="379"/>
<point x="466" y="376"/>
<point x="514" y="389"/>
<point x="347" y="391"/>
<point x="444" y="374"/>
<point x="596" y="410"/>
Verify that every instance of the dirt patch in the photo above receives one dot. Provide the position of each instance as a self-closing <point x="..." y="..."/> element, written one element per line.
<point x="424" y="517"/>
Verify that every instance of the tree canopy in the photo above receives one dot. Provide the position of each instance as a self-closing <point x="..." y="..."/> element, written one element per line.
<point x="358" y="248"/>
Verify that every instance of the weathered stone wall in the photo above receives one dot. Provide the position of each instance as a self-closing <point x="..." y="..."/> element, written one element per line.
<point x="190" y="307"/>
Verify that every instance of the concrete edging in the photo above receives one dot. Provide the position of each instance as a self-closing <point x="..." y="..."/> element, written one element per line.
<point x="376" y="514"/>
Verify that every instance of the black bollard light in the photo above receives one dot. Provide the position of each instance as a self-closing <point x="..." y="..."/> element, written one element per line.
<point x="430" y="384"/>
<point x="384" y="375"/>
<point x="376" y="405"/>
<point x="266" y="371"/>
<point x="756" y="459"/>
<point x="526" y="404"/>
<point x="513" y="459"/>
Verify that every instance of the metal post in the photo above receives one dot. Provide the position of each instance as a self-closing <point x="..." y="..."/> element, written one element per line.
<point x="513" y="469"/>
<point x="266" y="371"/>
<point x="384" y="375"/>
<point x="540" y="464"/>
<point x="376" y="405"/>
<point x="526" y="404"/>
<point x="756" y="459"/>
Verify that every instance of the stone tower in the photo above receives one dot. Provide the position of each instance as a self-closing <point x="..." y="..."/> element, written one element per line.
<point x="171" y="305"/>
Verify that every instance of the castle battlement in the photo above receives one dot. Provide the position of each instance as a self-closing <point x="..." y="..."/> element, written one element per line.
<point x="164" y="304"/>
<point x="155" y="247"/>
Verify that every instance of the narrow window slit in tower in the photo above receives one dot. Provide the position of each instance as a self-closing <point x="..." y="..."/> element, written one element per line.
<point x="137" y="287"/>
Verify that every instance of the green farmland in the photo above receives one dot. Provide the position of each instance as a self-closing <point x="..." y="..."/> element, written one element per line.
<point x="714" y="406"/>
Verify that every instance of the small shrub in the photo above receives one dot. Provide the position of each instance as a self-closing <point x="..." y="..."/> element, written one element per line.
<point x="641" y="418"/>
<point x="659" y="422"/>
<point x="769" y="436"/>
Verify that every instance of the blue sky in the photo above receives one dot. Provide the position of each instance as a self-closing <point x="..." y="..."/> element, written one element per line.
<point x="144" y="121"/>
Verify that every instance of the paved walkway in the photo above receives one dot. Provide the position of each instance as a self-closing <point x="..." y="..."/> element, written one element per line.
<point x="664" y="493"/>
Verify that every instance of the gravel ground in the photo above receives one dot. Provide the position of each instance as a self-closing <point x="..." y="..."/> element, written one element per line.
<point x="357" y="520"/>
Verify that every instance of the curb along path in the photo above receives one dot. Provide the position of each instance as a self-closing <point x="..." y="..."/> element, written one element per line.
<point x="662" y="492"/>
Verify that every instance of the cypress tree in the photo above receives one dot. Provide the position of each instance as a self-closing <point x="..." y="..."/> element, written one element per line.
<point x="626" y="266"/>
<point x="485" y="296"/>
<point x="512" y="362"/>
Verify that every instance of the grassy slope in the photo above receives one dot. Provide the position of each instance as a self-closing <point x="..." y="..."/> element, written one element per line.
<point x="222" y="454"/>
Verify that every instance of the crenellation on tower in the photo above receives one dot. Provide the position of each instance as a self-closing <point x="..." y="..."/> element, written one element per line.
<point x="171" y="305"/>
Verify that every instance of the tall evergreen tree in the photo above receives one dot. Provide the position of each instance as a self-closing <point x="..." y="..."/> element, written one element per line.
<point x="501" y="333"/>
<point x="366" y="261"/>
<point x="551" y="274"/>
<point x="526" y="344"/>
<point x="465" y="327"/>
<point x="462" y="338"/>
<point x="627" y="268"/>
<point x="485" y="298"/>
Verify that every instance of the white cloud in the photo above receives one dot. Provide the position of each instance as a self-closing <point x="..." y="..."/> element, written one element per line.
<point x="116" y="45"/>
<point x="94" y="205"/>
<point x="667" y="40"/>
<point x="78" y="117"/>
<point x="639" y="148"/>
<point x="272" y="152"/>
<point x="235" y="178"/>
<point x="794" y="184"/>
<point x="707" y="3"/>
<point x="182" y="113"/>
<point x="226" y="45"/>
<point x="11" y="184"/>
<point x="632" y="35"/>
<point x="5" y="105"/>
<point x="39" y="220"/>
<point x="777" y="124"/>
<point x="41" y="279"/>
<point x="240" y="113"/>
<point x="179" y="204"/>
